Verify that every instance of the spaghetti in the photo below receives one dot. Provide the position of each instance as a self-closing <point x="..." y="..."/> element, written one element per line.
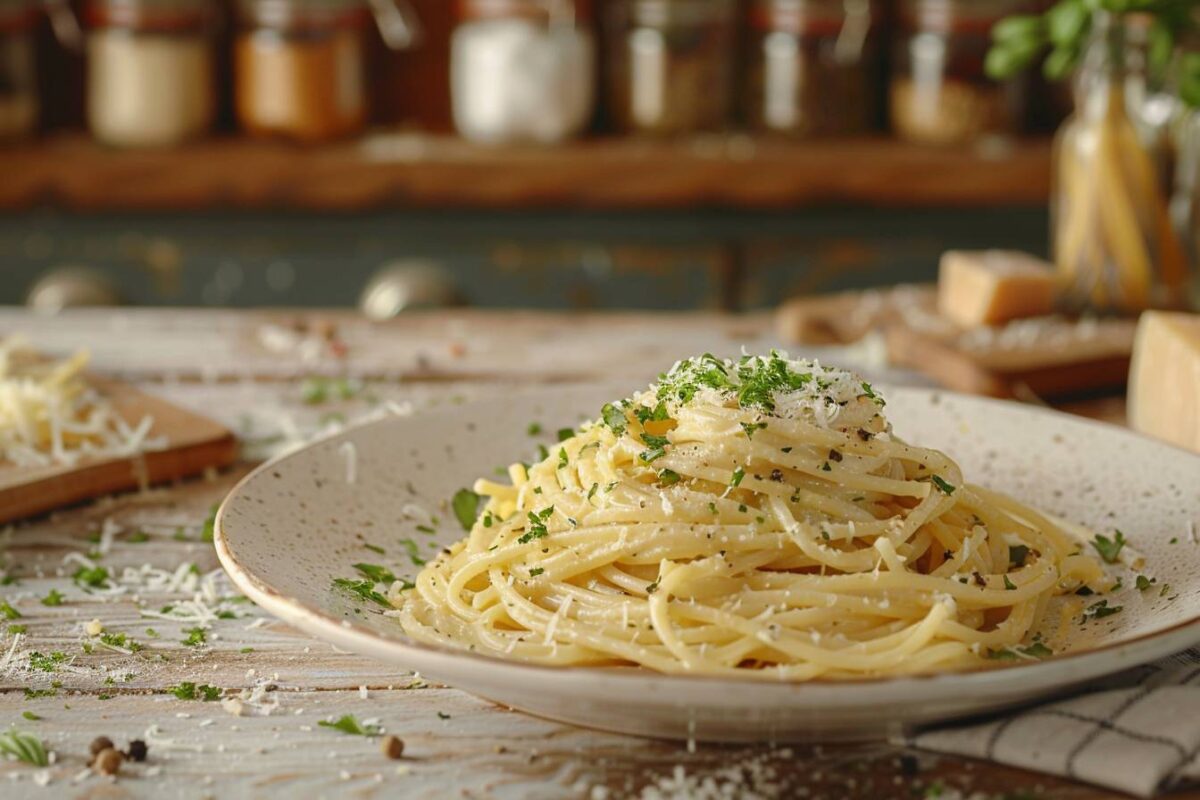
<point x="753" y="518"/>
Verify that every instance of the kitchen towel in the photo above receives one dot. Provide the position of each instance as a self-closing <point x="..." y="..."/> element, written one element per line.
<point x="1136" y="732"/>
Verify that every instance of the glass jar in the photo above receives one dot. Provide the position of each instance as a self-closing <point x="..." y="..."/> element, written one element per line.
<point x="811" y="67"/>
<point x="18" y="76"/>
<point x="150" y="66"/>
<point x="299" y="65"/>
<point x="939" y="91"/>
<point x="522" y="70"/>
<point x="671" y="65"/>
<point x="1114" y="243"/>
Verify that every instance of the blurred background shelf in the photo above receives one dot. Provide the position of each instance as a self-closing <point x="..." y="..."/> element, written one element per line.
<point x="71" y="171"/>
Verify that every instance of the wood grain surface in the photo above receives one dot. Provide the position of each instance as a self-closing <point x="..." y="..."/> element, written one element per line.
<point x="192" y="443"/>
<point x="429" y="171"/>
<point x="243" y="369"/>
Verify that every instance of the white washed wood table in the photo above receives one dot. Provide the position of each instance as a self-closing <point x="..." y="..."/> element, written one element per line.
<point x="254" y="371"/>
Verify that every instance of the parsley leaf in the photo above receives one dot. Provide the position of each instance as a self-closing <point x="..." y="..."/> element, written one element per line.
<point x="1109" y="549"/>
<point x="376" y="573"/>
<point x="739" y="475"/>
<point x="53" y="598"/>
<point x="195" y="637"/>
<point x="466" y="507"/>
<point x="668" y="477"/>
<point x="1100" y="610"/>
<point x="751" y="429"/>
<point x="1009" y="585"/>
<point x="363" y="589"/>
<point x="537" y="525"/>
<point x="8" y="611"/>
<point x="944" y="487"/>
<point x="349" y="724"/>
<point x="24" y="747"/>
<point x="190" y="691"/>
<point x="614" y="418"/>
<point x="1144" y="583"/>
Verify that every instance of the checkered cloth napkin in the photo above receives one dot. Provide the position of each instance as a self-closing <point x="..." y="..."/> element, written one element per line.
<point x="1137" y="732"/>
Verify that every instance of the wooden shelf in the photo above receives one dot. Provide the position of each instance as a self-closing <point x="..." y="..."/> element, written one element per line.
<point x="398" y="170"/>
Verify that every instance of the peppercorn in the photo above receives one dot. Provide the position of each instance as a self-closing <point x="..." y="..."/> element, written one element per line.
<point x="98" y="744"/>
<point x="136" y="751"/>
<point x="108" y="761"/>
<point x="393" y="746"/>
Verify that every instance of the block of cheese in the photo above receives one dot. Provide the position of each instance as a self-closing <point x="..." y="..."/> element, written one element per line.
<point x="988" y="287"/>
<point x="1164" y="379"/>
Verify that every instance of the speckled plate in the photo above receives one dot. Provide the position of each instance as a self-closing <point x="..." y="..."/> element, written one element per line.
<point x="294" y="525"/>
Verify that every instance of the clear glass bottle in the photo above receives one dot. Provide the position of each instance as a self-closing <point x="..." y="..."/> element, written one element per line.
<point x="939" y="92"/>
<point x="522" y="70"/>
<point x="671" y="65"/>
<point x="812" y="67"/>
<point x="18" y="70"/>
<point x="300" y="65"/>
<point x="1113" y="240"/>
<point x="150" y="70"/>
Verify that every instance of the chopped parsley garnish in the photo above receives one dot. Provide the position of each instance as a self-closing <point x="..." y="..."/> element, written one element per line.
<point x="8" y="611"/>
<point x="364" y="589"/>
<point x="138" y="537"/>
<point x="15" y="629"/>
<point x="739" y="475"/>
<point x="34" y="694"/>
<point x="689" y="377"/>
<point x="656" y="414"/>
<point x="24" y="747"/>
<point x="1017" y="555"/>
<point x="614" y="418"/>
<point x="466" y="507"/>
<point x="533" y="573"/>
<point x="563" y="461"/>
<point x="122" y="641"/>
<point x="350" y="724"/>
<point x="47" y="663"/>
<point x="657" y="445"/>
<point x="91" y="577"/>
<point x="667" y="477"/>
<point x="868" y="391"/>
<point x="713" y="508"/>
<point x="1144" y="583"/>
<point x="565" y="433"/>
<point x="1100" y="610"/>
<point x="592" y="491"/>
<point x="374" y="548"/>
<point x="414" y="556"/>
<point x="943" y="487"/>
<point x="1109" y="549"/>
<point x="195" y="637"/>
<point x="29" y="715"/>
<point x="537" y="525"/>
<point x="534" y="428"/>
<point x="210" y="524"/>
<point x="376" y="573"/>
<point x="1009" y="585"/>
<point x="190" y="691"/>
<point x="443" y="715"/>
<point x="762" y="378"/>
<point x="751" y="429"/>
<point x="1035" y="650"/>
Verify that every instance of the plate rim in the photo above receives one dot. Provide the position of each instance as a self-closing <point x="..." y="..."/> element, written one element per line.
<point x="1059" y="671"/>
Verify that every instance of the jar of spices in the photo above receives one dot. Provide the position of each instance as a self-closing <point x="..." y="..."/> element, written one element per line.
<point x="812" y="67"/>
<point x="671" y="65"/>
<point x="939" y="91"/>
<point x="522" y="70"/>
<point x="18" y="79"/>
<point x="299" y="65"/>
<point x="150" y="67"/>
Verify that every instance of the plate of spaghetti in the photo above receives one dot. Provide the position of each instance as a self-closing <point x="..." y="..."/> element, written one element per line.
<point x="752" y="548"/>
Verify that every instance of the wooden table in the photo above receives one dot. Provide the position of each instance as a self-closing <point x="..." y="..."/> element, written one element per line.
<point x="251" y="371"/>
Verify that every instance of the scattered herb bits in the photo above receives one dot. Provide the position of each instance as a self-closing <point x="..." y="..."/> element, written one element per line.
<point x="349" y="724"/>
<point x="24" y="747"/>
<point x="1109" y="549"/>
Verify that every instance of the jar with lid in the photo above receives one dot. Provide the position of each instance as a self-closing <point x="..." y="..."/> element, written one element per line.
<point x="299" y="65"/>
<point x="939" y="91"/>
<point x="811" y="67"/>
<point x="522" y="70"/>
<point x="150" y="70"/>
<point x="671" y="65"/>
<point x="18" y="76"/>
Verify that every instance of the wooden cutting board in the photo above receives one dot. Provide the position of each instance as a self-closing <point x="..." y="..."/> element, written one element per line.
<point x="194" y="444"/>
<point x="1049" y="357"/>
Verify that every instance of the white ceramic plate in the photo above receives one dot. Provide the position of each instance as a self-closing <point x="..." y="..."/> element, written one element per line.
<point x="294" y="525"/>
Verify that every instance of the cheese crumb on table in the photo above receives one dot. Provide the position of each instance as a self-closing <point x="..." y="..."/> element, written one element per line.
<point x="1164" y="380"/>
<point x="989" y="287"/>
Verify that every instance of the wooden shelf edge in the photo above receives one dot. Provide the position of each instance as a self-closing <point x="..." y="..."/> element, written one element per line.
<point x="404" y="170"/>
